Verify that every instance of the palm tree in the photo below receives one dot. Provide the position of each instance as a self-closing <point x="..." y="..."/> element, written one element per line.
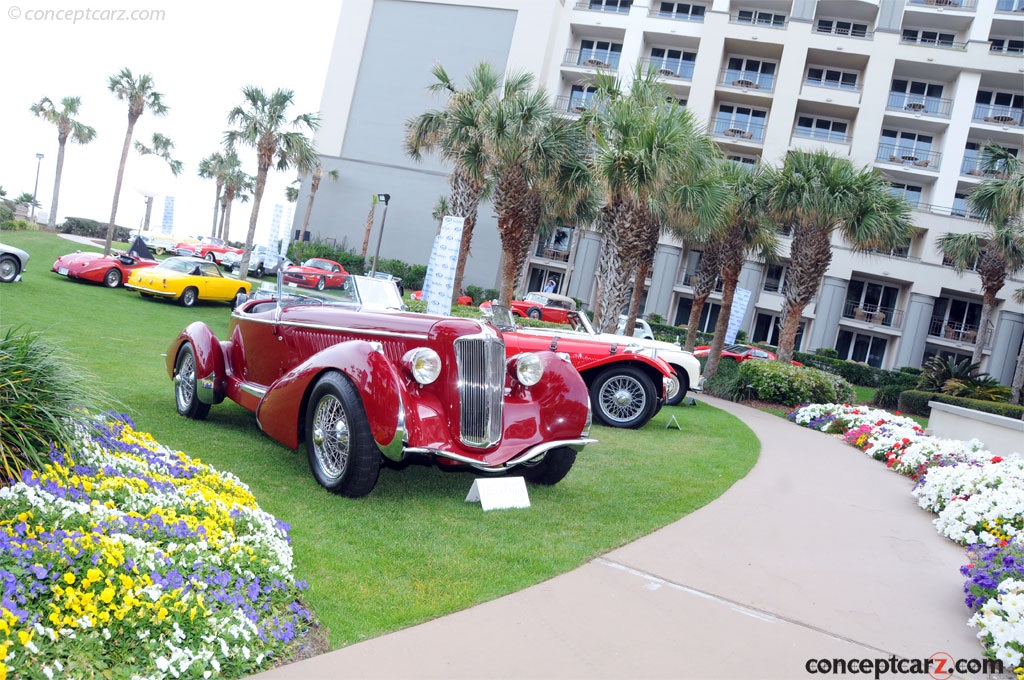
<point x="744" y="234"/>
<point x="998" y="253"/>
<point x="439" y="211"/>
<point x="456" y="134"/>
<point x="816" y="194"/>
<point x="141" y="96"/>
<point x="212" y="167"/>
<point x="26" y="198"/>
<point x="703" y="282"/>
<point x="1017" y="386"/>
<point x="67" y="127"/>
<point x="314" y="185"/>
<point x="260" y="123"/>
<point x="239" y="185"/>
<point x="161" y="147"/>
<point x="649" y="155"/>
<point x="369" y="225"/>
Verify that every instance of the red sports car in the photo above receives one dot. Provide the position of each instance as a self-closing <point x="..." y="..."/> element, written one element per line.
<point x="208" y="248"/>
<point x="463" y="299"/>
<point x="738" y="353"/>
<point x="544" y="306"/>
<point x="110" y="270"/>
<point x="316" y="272"/>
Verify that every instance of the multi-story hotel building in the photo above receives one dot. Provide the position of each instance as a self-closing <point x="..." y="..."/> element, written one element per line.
<point x="914" y="88"/>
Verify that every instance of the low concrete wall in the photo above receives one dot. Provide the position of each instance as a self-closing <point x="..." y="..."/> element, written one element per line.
<point x="1001" y="435"/>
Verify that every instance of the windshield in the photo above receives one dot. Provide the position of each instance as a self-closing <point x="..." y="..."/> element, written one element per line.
<point x="502" y="318"/>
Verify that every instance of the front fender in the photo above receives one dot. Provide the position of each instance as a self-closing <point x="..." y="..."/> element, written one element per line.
<point x="210" y="374"/>
<point x="281" y="413"/>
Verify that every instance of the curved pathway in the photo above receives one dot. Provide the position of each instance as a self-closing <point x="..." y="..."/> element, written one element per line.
<point x="818" y="553"/>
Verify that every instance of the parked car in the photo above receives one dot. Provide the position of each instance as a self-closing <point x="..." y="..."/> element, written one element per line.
<point x="110" y="270"/>
<point x="464" y="300"/>
<point x="738" y="353"/>
<point x="262" y="261"/>
<point x="187" y="280"/>
<point x="355" y="383"/>
<point x="544" y="306"/>
<point x="627" y="387"/>
<point x="161" y="243"/>
<point x="391" y="277"/>
<point x="316" y="272"/>
<point x="207" y="248"/>
<point x="12" y="263"/>
<point x="641" y="329"/>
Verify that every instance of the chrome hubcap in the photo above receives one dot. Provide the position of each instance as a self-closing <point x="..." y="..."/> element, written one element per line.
<point x="185" y="381"/>
<point x="623" y="398"/>
<point x="331" y="436"/>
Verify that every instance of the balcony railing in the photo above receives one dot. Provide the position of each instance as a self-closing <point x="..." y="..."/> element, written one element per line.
<point x="932" y="42"/>
<point x="739" y="129"/>
<point x="889" y="317"/>
<point x="754" y="20"/>
<point x="832" y="84"/>
<point x="916" y="103"/>
<point x="573" y="105"/>
<point x="658" y="12"/>
<point x="747" y="80"/>
<point x="1007" y="49"/>
<point x="952" y="4"/>
<point x="845" y="32"/>
<point x="908" y="156"/>
<point x="599" y="59"/>
<point x="972" y="168"/>
<point x="997" y="115"/>
<point x="955" y="211"/>
<point x="669" y="68"/>
<point x="824" y="135"/>
<point x="1010" y="5"/>
<point x="957" y="331"/>
<point x="689" y="276"/>
<point x="620" y="7"/>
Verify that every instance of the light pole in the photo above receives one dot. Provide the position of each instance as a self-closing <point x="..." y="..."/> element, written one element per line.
<point x="385" y="198"/>
<point x="39" y="161"/>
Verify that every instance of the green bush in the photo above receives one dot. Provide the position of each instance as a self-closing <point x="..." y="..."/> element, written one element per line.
<point x="83" y="226"/>
<point x="17" y="225"/>
<point x="412" y="275"/>
<point x="856" y="373"/>
<point x="726" y="383"/>
<point x="481" y="295"/>
<point x="781" y="383"/>
<point x="890" y="385"/>
<point x="916" y="402"/>
<point x="828" y="352"/>
<point x="41" y="394"/>
<point x="654" y="317"/>
<point x="995" y="408"/>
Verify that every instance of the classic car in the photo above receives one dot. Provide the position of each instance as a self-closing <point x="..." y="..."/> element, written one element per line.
<point x="357" y="383"/>
<point x="207" y="247"/>
<point x="627" y="386"/>
<point x="464" y="300"/>
<point x="110" y="270"/>
<point x="262" y="261"/>
<point x="641" y="329"/>
<point x="544" y="306"/>
<point x="187" y="280"/>
<point x="738" y="353"/>
<point x="12" y="263"/>
<point x="161" y="243"/>
<point x="316" y="272"/>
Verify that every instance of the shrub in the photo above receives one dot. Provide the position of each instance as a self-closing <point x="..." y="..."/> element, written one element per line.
<point x="481" y="295"/>
<point x="17" y="225"/>
<point x="782" y="383"/>
<point x="828" y="352"/>
<point x="412" y="275"/>
<point x="82" y="226"/>
<point x="993" y="407"/>
<point x="726" y="383"/>
<point x="856" y="373"/>
<point x="41" y="394"/>
<point x="915" y="402"/>
<point x="890" y="385"/>
<point x="654" y="317"/>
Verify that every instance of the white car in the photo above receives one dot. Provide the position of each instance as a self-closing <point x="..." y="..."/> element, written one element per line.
<point x="12" y="263"/>
<point x="262" y="261"/>
<point x="641" y="329"/>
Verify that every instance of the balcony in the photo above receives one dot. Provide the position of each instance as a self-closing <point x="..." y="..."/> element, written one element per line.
<point x="971" y="167"/>
<point x="844" y="31"/>
<point x="997" y="115"/>
<point x="936" y="42"/>
<point x="821" y="135"/>
<point x="747" y="80"/>
<point x="615" y="6"/>
<point x="919" y="104"/>
<point x="957" y="331"/>
<point x="890" y="317"/>
<point x="944" y="4"/>
<point x="739" y="130"/>
<point x="1010" y="5"/>
<point x="762" y="19"/>
<point x="573" y="105"/>
<point x="680" y="69"/>
<point x="908" y="157"/>
<point x="592" y="59"/>
<point x="661" y="14"/>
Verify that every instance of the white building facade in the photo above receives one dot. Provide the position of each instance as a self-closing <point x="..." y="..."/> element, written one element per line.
<point x="915" y="88"/>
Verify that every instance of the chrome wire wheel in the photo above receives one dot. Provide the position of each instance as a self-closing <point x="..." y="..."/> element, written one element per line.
<point x="622" y="398"/>
<point x="331" y="438"/>
<point x="186" y="397"/>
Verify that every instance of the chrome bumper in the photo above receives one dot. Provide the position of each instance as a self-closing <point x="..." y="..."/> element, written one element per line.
<point x="525" y="457"/>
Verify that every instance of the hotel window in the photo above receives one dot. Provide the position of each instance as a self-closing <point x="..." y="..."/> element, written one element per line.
<point x="740" y="121"/>
<point x="992" y="106"/>
<point x="679" y="62"/>
<point x="686" y="11"/>
<point x="842" y="27"/>
<point x="906" y="145"/>
<point x="754" y="73"/>
<point x="962" y="208"/>
<point x="775" y="278"/>
<point x="768" y="327"/>
<point x="869" y="349"/>
<point x="621" y="6"/>
<point x="708" y="314"/>
<point x="753" y="16"/>
<point x="1006" y="45"/>
<point x="831" y="77"/>
<point x="601" y="52"/>
<point x="910" y="193"/>
<point x="742" y="160"/>
<point x="580" y="96"/>
<point x="915" y="95"/>
<point x="923" y="37"/>
<point x="821" y="128"/>
<point x="866" y="298"/>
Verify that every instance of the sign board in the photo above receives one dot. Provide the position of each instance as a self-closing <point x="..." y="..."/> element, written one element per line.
<point x="496" y="493"/>
<point x="444" y="257"/>
<point x="739" y="308"/>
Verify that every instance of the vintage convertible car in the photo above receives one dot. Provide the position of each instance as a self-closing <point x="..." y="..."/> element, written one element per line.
<point x="739" y="353"/>
<point x="356" y="382"/>
<point x="318" y="273"/>
<point x="187" y="280"/>
<point x="207" y="248"/>
<point x="110" y="270"/>
<point x="627" y="386"/>
<point x="12" y="262"/>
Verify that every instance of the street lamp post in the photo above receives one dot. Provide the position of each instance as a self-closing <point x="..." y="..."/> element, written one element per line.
<point x="39" y="161"/>
<point x="385" y="198"/>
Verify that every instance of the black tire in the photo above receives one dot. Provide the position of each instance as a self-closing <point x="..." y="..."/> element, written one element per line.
<point x="239" y="298"/>
<point x="9" y="268"/>
<point x="112" y="279"/>
<point x="148" y="296"/>
<point x="552" y="468"/>
<point x="623" y="396"/>
<point x="188" y="297"/>
<point x="321" y="283"/>
<point x="260" y="271"/>
<point x="186" y="397"/>
<point x="534" y="313"/>
<point x="211" y="257"/>
<point x="342" y="455"/>
<point x="684" y="387"/>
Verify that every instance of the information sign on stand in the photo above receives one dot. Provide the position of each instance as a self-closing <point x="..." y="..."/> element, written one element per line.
<point x="496" y="493"/>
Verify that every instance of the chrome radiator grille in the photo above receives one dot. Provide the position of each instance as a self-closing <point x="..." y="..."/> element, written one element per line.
<point x="481" y="364"/>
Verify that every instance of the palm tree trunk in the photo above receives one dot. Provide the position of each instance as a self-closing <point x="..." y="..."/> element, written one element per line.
<point x="1017" y="386"/>
<point x="466" y="193"/>
<point x="309" y="206"/>
<point x="634" y="301"/>
<point x="51" y="222"/>
<point x="694" y="321"/>
<point x="225" y="222"/>
<point x="216" y="204"/>
<point x="257" y="196"/>
<point x="792" y="312"/>
<point x="369" y="228"/>
<point x="117" y="186"/>
<point x="729" y="279"/>
<point x="149" y="212"/>
<point x="987" y="307"/>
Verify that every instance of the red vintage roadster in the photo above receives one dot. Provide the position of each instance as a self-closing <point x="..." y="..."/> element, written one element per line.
<point x="355" y="380"/>
<point x="110" y="270"/>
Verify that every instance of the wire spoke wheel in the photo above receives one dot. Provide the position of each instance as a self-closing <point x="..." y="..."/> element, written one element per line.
<point x="622" y="398"/>
<point x="331" y="439"/>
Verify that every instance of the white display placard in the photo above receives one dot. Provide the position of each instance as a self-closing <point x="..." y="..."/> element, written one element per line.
<point x="444" y="258"/>
<point x="495" y="493"/>
<point x="740" y="299"/>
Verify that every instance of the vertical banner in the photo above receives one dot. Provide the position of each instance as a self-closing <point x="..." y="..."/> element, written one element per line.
<point x="167" y="224"/>
<point x="440" y="280"/>
<point x="739" y="307"/>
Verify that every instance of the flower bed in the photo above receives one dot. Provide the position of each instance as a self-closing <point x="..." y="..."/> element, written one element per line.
<point x="979" y="500"/>
<point x="123" y="557"/>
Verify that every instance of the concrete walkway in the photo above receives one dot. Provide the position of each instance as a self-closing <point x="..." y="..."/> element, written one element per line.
<point x="818" y="553"/>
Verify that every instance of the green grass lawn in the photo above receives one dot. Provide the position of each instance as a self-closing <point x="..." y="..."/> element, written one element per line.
<point x="413" y="549"/>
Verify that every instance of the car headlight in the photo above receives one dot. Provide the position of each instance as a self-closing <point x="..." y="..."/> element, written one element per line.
<point x="423" y="364"/>
<point x="527" y="368"/>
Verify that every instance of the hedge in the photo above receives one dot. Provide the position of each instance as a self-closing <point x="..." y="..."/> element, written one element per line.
<point x="83" y="226"/>
<point x="856" y="373"/>
<point x="916" y="402"/>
